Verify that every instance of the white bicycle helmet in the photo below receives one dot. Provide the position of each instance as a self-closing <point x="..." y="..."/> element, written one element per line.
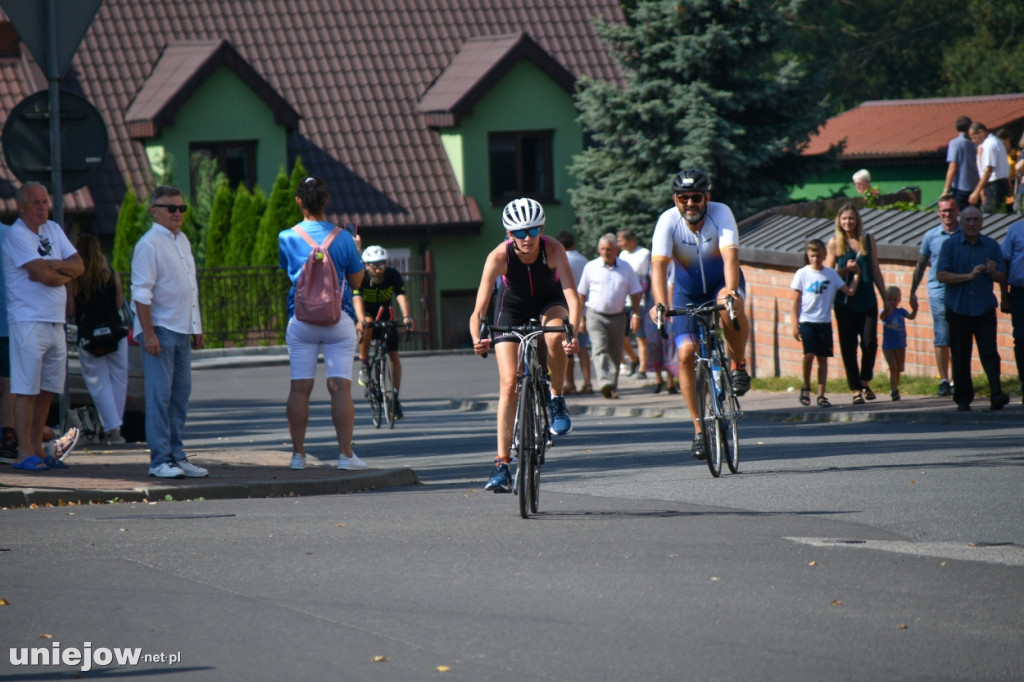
<point x="520" y="214"/>
<point x="374" y="254"/>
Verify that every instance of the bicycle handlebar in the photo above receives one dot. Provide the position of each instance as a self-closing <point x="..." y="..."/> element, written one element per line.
<point x="690" y="309"/>
<point x="532" y="327"/>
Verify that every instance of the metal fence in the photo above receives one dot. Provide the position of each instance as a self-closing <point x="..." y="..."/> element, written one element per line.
<point x="248" y="306"/>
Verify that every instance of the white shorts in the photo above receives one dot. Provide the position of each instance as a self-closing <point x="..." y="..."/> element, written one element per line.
<point x="304" y="341"/>
<point x="39" y="355"/>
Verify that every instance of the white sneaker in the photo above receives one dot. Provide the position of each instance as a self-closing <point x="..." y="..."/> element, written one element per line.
<point x="298" y="461"/>
<point x="166" y="470"/>
<point x="352" y="462"/>
<point x="114" y="437"/>
<point x="190" y="469"/>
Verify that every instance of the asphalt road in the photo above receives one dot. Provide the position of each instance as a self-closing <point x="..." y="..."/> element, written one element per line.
<point x="859" y="551"/>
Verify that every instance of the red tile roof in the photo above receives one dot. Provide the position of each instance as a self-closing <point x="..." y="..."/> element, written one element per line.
<point x="911" y="127"/>
<point x="355" y="70"/>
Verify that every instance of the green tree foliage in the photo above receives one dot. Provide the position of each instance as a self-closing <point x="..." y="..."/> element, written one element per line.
<point x="207" y="175"/>
<point x="989" y="60"/>
<point x="275" y="218"/>
<point x="126" y="233"/>
<point x="244" y="224"/>
<point x="298" y="175"/>
<point x="215" y="239"/>
<point x="703" y="88"/>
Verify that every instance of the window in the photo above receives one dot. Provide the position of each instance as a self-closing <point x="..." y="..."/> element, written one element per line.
<point x="521" y="166"/>
<point x="237" y="160"/>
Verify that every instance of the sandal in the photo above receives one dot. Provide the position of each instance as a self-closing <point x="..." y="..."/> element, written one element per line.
<point x="805" y="396"/>
<point x="823" y="401"/>
<point x="33" y="463"/>
<point x="570" y="389"/>
<point x="894" y="394"/>
<point x="858" y="399"/>
<point x="587" y="389"/>
<point x="868" y="393"/>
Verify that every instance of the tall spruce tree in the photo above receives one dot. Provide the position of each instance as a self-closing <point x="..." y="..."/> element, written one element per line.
<point x="274" y="219"/>
<point x="244" y="223"/>
<point x="215" y="238"/>
<point x="704" y="87"/>
<point x="126" y="232"/>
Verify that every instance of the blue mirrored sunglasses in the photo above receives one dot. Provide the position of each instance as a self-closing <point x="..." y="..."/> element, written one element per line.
<point x="523" y="234"/>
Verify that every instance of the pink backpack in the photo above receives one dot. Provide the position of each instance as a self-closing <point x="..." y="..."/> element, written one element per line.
<point x="318" y="294"/>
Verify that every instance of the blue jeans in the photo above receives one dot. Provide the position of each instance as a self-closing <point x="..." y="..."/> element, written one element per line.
<point x="168" y="379"/>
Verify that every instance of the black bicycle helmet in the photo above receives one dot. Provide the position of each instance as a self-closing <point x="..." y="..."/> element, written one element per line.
<point x="691" y="180"/>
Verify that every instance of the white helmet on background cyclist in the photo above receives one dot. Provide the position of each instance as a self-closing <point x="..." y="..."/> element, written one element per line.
<point x="374" y="254"/>
<point x="521" y="214"/>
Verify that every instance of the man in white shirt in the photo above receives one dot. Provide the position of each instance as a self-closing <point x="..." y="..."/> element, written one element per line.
<point x="606" y="283"/>
<point x="993" y="169"/>
<point x="639" y="259"/>
<point x="165" y="296"/>
<point x="38" y="261"/>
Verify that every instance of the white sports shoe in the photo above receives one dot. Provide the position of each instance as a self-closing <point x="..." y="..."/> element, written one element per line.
<point x="191" y="470"/>
<point x="350" y="463"/>
<point x="166" y="470"/>
<point x="298" y="461"/>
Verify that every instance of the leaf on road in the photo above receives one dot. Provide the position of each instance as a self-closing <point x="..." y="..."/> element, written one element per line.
<point x="4" y="602"/>
<point x="901" y="626"/>
<point x="813" y="563"/>
<point x="379" y="659"/>
<point x="45" y="635"/>
<point x="443" y="668"/>
<point x="837" y="602"/>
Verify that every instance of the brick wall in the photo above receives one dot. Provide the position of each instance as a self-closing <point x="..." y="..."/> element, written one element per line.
<point x="774" y="352"/>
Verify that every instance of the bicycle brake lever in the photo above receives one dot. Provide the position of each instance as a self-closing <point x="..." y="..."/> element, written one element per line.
<point x="730" y="306"/>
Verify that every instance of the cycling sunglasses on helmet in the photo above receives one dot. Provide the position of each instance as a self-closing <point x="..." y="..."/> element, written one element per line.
<point x="523" y="234"/>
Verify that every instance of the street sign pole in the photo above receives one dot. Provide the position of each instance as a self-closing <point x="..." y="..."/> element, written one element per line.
<point x="53" y="77"/>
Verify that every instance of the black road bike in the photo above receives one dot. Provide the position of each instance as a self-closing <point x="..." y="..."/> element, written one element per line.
<point x="380" y="392"/>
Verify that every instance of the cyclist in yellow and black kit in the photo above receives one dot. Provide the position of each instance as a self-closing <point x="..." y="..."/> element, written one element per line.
<point x="380" y="285"/>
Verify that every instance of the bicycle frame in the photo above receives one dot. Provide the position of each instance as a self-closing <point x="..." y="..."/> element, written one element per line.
<point x="380" y="392"/>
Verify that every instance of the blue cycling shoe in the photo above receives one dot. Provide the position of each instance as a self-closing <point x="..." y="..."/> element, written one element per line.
<point x="501" y="478"/>
<point x="560" y="422"/>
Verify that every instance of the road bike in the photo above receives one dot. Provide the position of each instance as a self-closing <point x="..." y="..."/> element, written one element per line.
<point x="531" y="431"/>
<point x="719" y="407"/>
<point x="381" y="392"/>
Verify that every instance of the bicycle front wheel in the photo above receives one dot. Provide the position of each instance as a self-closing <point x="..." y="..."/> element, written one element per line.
<point x="387" y="390"/>
<point x="730" y="424"/>
<point x="711" y="425"/>
<point x="541" y="436"/>
<point x="526" y="429"/>
<point x="373" y="394"/>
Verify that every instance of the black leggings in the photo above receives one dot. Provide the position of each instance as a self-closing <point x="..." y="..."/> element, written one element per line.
<point x="856" y="328"/>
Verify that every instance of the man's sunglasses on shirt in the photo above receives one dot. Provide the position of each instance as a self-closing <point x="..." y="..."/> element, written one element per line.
<point x="523" y="234"/>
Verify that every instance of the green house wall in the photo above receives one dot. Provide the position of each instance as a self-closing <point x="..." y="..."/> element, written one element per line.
<point x="223" y="109"/>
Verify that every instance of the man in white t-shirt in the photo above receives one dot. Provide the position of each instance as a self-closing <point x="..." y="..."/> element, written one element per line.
<point x="38" y="261"/>
<point x="993" y="169"/>
<point x="639" y="258"/>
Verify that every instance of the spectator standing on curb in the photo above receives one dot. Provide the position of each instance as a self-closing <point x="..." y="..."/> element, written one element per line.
<point x="577" y="261"/>
<point x="606" y="284"/>
<point x="305" y="340"/>
<point x="852" y="251"/>
<point x="39" y="261"/>
<point x="639" y="258"/>
<point x="96" y="298"/>
<point x="1013" y="293"/>
<point x="814" y="289"/>
<point x="165" y="297"/>
<point x="968" y="265"/>
<point x="8" y="439"/>
<point x="894" y="336"/>
<point x="994" y="170"/>
<point x="962" y="171"/>
<point x="931" y="244"/>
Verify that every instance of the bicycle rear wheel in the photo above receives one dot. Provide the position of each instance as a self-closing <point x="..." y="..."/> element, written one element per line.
<point x="711" y="426"/>
<point x="526" y="430"/>
<point x="373" y="394"/>
<point x="387" y="389"/>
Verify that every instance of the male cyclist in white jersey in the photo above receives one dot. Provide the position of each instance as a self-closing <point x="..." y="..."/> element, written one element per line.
<point x="701" y="237"/>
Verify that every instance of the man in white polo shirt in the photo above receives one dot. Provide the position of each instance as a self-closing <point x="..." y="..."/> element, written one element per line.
<point x="606" y="283"/>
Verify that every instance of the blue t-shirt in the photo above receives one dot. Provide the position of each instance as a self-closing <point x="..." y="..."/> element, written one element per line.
<point x="894" y="330"/>
<point x="294" y="251"/>
<point x="975" y="297"/>
<point x="4" y="329"/>
<point x="1013" y="252"/>
<point x="964" y="153"/>
<point x="931" y="244"/>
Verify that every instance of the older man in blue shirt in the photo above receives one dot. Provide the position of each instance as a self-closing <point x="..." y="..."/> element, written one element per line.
<point x="968" y="265"/>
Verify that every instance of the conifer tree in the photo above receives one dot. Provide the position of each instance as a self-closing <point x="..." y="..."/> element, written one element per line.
<point x="244" y="224"/>
<point x="215" y="239"/>
<point x="274" y="219"/>
<point x="126" y="233"/>
<point x="703" y="88"/>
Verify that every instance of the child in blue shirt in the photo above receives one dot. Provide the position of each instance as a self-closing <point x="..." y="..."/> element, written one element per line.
<point x="894" y="336"/>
